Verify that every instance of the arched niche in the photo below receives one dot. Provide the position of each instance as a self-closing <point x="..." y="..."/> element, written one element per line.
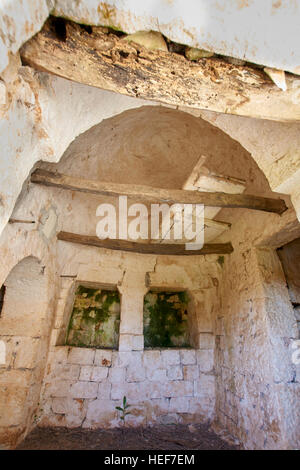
<point x="23" y="323"/>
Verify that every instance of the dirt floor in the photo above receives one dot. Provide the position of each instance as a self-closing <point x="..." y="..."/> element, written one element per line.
<point x="168" y="437"/>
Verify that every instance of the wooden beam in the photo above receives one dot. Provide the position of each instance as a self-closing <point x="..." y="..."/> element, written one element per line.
<point x="21" y="221"/>
<point x="111" y="63"/>
<point x="145" y="248"/>
<point x="217" y="224"/>
<point x="151" y="194"/>
<point x="201" y="172"/>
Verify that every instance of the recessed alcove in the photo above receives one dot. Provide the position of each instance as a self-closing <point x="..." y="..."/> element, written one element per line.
<point x="189" y="338"/>
<point x="23" y="324"/>
<point x="289" y="256"/>
<point x="165" y="320"/>
<point x="2" y="295"/>
<point x="95" y="318"/>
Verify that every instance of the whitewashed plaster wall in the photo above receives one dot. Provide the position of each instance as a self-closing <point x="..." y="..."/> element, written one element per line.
<point x="36" y="108"/>
<point x="273" y="145"/>
<point x="185" y="393"/>
<point x="240" y="278"/>
<point x="42" y="115"/>
<point x="27" y="269"/>
<point x="258" y="386"/>
<point x="19" y="20"/>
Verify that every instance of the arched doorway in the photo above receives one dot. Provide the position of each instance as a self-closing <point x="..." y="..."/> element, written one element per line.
<point x="22" y="333"/>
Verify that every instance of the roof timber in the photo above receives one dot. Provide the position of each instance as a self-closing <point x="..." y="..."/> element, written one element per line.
<point x="170" y="249"/>
<point x="106" y="61"/>
<point x="151" y="194"/>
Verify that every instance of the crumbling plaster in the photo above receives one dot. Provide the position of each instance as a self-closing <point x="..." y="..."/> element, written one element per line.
<point x="43" y="114"/>
<point x="19" y="20"/>
<point x="243" y="303"/>
<point x="163" y="386"/>
<point x="273" y="145"/>
<point x="256" y="384"/>
<point x="28" y="270"/>
<point x="41" y="117"/>
<point x="270" y="38"/>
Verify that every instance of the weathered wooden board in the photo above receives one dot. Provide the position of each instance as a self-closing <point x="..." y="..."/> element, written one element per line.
<point x="151" y="194"/>
<point x="103" y="60"/>
<point x="145" y="248"/>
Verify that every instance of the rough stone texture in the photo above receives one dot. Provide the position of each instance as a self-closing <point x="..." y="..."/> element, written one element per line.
<point x="155" y="390"/>
<point x="151" y="74"/>
<point x="25" y="323"/>
<point x="233" y="299"/>
<point x="152" y="380"/>
<point x="289" y="257"/>
<point x="19" y="21"/>
<point x="247" y="383"/>
<point x="255" y="376"/>
<point x="161" y="437"/>
<point x="215" y="31"/>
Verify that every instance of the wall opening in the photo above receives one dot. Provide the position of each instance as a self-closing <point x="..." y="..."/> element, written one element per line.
<point x="165" y="318"/>
<point x="95" y="318"/>
<point x="23" y="324"/>
<point x="289" y="256"/>
<point x="2" y="295"/>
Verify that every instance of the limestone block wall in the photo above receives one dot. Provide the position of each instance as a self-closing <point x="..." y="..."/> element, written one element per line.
<point x="23" y="18"/>
<point x="26" y="318"/>
<point x="257" y="384"/>
<point x="82" y="386"/>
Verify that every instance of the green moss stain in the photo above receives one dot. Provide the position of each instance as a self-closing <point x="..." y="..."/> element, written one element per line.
<point x="220" y="260"/>
<point x="95" y="318"/>
<point x="165" y="320"/>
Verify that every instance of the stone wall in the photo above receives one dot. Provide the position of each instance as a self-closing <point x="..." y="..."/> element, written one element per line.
<point x="258" y="386"/>
<point x="242" y="302"/>
<point x="23" y="18"/>
<point x="83" y="386"/>
<point x="95" y="318"/>
<point x="289" y="256"/>
<point x="25" y="325"/>
<point x="166" y="320"/>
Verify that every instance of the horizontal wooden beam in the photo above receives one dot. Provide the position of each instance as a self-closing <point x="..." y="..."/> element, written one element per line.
<point x="111" y="63"/>
<point x="21" y="221"/>
<point x="151" y="194"/>
<point x="217" y="224"/>
<point x="145" y="248"/>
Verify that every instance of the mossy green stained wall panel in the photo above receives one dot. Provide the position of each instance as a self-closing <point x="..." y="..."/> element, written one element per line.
<point x="166" y="320"/>
<point x="95" y="319"/>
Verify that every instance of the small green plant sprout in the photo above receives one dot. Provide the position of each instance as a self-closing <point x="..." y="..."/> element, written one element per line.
<point x="123" y="410"/>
